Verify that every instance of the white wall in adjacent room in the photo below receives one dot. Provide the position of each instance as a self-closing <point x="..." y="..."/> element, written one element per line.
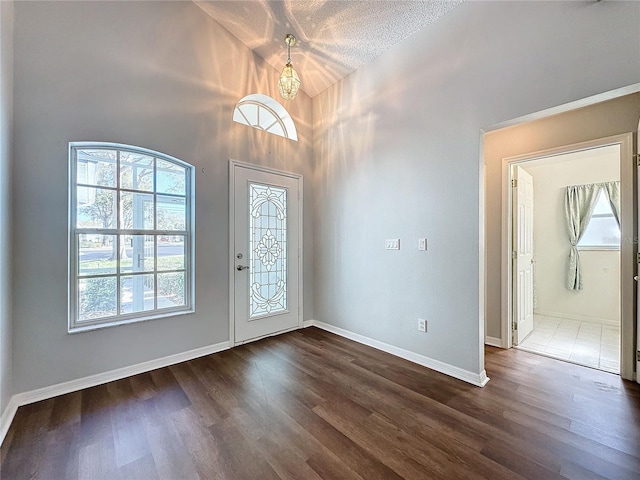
<point x="599" y="300"/>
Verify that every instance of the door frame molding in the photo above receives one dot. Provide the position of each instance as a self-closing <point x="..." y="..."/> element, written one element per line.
<point x="627" y="260"/>
<point x="230" y="264"/>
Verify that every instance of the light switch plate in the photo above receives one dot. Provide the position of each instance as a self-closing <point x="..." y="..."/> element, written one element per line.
<point x="392" y="244"/>
<point x="422" y="244"/>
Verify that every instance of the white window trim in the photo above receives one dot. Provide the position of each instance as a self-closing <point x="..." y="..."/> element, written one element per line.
<point x="596" y="248"/>
<point x="74" y="326"/>
<point x="280" y="115"/>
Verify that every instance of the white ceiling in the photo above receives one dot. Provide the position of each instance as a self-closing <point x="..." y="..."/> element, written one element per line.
<point x="334" y="37"/>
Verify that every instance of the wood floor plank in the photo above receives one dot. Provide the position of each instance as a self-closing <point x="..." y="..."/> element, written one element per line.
<point x="170" y="456"/>
<point x="129" y="436"/>
<point x="311" y="405"/>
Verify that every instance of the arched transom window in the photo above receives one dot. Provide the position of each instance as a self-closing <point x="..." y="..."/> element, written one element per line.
<point x="264" y="113"/>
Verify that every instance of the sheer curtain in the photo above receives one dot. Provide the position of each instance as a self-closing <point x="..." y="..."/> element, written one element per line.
<point x="613" y="192"/>
<point x="579" y="203"/>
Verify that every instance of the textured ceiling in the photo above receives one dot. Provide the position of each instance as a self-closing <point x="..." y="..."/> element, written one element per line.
<point x="334" y="37"/>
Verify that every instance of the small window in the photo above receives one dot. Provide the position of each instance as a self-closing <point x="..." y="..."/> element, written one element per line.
<point x="130" y="242"/>
<point x="602" y="232"/>
<point x="264" y="113"/>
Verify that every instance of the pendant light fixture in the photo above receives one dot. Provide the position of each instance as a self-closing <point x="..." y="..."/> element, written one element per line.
<point x="289" y="82"/>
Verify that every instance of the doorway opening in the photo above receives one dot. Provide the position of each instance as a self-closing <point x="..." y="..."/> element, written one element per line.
<point x="606" y="119"/>
<point x="566" y="244"/>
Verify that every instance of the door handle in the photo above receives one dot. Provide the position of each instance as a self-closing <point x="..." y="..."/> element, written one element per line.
<point x="636" y="278"/>
<point x="242" y="267"/>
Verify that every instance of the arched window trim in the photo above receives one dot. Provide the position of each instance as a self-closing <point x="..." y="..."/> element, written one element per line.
<point x="280" y="115"/>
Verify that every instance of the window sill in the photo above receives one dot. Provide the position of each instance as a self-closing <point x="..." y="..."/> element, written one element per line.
<point x="588" y="248"/>
<point x="116" y="323"/>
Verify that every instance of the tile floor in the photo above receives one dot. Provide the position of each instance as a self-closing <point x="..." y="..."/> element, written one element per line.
<point x="586" y="343"/>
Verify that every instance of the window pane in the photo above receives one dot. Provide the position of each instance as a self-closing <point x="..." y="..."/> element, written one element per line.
<point x="601" y="232"/>
<point x="171" y="292"/>
<point x="602" y="205"/>
<point x="266" y="118"/>
<point x="136" y="293"/>
<point x="136" y="253"/>
<point x="136" y="171"/>
<point x="602" y="229"/>
<point x="96" y="254"/>
<point x="170" y="178"/>
<point x="136" y="210"/>
<point x="250" y="112"/>
<point x="96" y="298"/>
<point x="96" y="167"/>
<point x="276" y="129"/>
<point x="171" y="252"/>
<point x="171" y="213"/>
<point x="96" y="208"/>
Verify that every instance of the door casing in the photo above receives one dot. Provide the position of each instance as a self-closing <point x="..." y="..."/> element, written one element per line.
<point x="231" y="265"/>
<point x="627" y="248"/>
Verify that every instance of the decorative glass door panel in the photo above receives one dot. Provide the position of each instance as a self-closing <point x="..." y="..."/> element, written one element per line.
<point x="267" y="250"/>
<point x="265" y="263"/>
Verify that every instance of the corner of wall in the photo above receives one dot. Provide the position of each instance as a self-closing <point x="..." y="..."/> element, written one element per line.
<point x="6" y="155"/>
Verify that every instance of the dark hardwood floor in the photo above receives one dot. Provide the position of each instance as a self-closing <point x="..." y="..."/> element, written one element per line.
<point x="311" y="405"/>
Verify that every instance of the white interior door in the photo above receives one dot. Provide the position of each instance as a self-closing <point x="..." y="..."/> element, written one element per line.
<point x="523" y="254"/>
<point x="266" y="255"/>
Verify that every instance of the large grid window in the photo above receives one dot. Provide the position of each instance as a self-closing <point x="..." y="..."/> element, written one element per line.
<point x="131" y="251"/>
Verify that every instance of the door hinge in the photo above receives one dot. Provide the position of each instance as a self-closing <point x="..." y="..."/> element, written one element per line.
<point x="637" y="157"/>
<point x="514" y="255"/>
<point x="637" y="257"/>
<point x="515" y="326"/>
<point x="638" y="356"/>
<point x="514" y="182"/>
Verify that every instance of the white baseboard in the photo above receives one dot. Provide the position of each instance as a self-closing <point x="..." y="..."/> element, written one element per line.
<point x="479" y="380"/>
<point x="581" y="318"/>
<point x="51" y="391"/>
<point x="493" y="342"/>
<point x="7" y="417"/>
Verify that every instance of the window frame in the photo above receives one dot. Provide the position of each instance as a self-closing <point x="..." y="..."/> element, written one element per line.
<point x="602" y="247"/>
<point x="280" y="115"/>
<point x="76" y="325"/>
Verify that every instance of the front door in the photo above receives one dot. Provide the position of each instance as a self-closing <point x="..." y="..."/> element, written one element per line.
<point x="265" y="223"/>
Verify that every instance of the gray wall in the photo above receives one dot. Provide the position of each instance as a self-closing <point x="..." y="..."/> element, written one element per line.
<point x="6" y="129"/>
<point x="396" y="147"/>
<point x="161" y="75"/>
<point x="604" y="119"/>
<point x="394" y="155"/>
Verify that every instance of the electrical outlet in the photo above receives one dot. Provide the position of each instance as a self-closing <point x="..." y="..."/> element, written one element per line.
<point x="422" y="325"/>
